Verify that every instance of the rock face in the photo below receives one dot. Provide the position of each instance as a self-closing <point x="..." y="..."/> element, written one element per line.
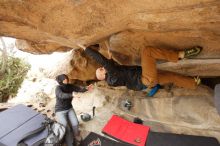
<point x="181" y="111"/>
<point x="55" y="25"/>
<point x="129" y="25"/>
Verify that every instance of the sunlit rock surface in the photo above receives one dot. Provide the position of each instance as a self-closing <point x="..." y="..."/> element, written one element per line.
<point x="55" y="25"/>
<point x="58" y="25"/>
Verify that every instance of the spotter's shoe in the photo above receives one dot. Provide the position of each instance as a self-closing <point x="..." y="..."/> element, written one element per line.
<point x="153" y="90"/>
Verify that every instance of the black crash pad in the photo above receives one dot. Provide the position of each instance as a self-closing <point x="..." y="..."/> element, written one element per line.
<point x="168" y="139"/>
<point x="154" y="139"/>
<point x="94" y="139"/>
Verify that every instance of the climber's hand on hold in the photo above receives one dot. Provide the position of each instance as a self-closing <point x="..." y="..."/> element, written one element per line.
<point x="81" y="46"/>
<point x="108" y="47"/>
<point x="95" y="46"/>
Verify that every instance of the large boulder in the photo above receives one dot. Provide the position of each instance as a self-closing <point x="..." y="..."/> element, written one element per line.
<point x="55" y="25"/>
<point x="168" y="23"/>
<point x="180" y="111"/>
<point x="129" y="25"/>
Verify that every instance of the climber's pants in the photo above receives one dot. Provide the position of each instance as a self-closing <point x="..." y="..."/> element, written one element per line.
<point x="151" y="76"/>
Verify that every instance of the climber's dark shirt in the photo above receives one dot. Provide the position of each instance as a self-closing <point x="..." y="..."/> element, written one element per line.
<point x="118" y="75"/>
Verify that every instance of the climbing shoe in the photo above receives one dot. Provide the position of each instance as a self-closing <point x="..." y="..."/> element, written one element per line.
<point x="153" y="90"/>
<point x="194" y="51"/>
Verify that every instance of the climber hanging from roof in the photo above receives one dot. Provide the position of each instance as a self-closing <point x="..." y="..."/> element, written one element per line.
<point x="145" y="76"/>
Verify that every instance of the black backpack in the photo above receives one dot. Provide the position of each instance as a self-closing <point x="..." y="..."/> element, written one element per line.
<point x="21" y="125"/>
<point x="56" y="132"/>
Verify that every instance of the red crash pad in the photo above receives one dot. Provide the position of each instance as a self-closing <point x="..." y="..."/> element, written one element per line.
<point x="126" y="131"/>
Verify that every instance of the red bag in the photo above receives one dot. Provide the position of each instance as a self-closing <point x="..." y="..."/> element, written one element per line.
<point x="123" y="130"/>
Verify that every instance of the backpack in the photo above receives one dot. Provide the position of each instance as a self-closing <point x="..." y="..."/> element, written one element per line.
<point x="21" y="125"/>
<point x="56" y="132"/>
